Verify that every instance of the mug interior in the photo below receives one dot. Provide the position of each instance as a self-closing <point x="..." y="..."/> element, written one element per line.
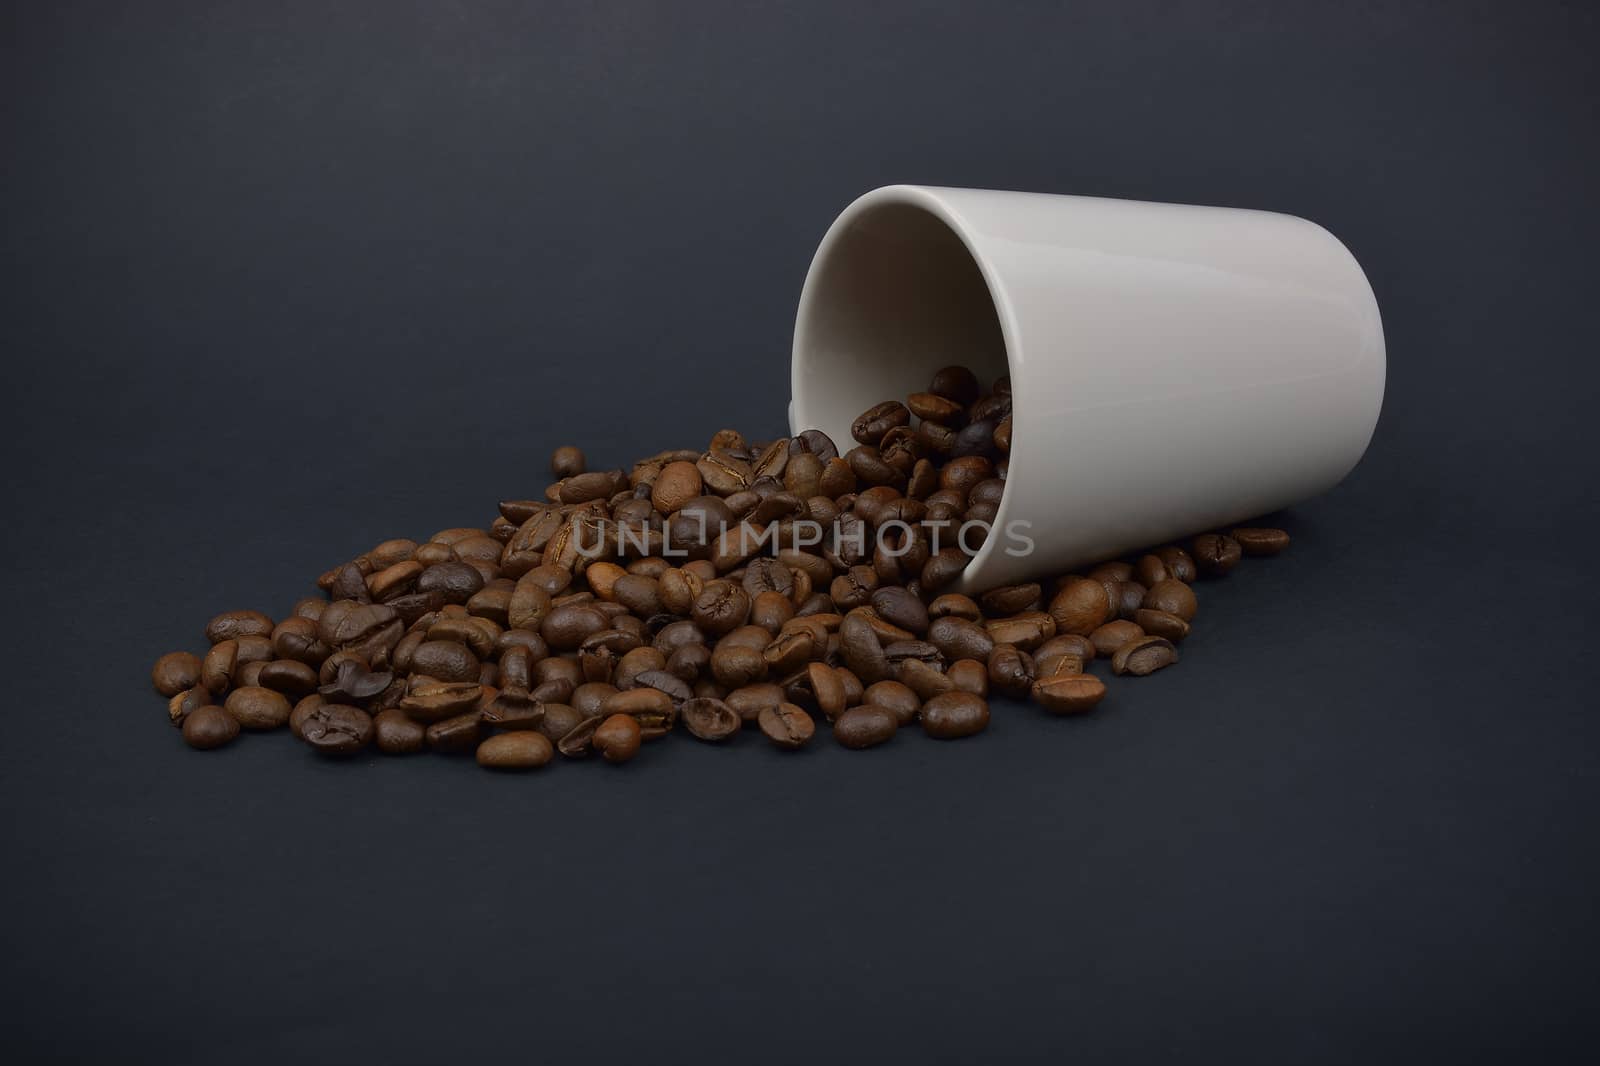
<point x="893" y="295"/>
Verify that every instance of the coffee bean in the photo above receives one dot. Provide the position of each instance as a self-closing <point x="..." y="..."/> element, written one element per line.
<point x="1161" y="624"/>
<point x="955" y="714"/>
<point x="617" y="738"/>
<point x="208" y="727"/>
<point x="902" y="608"/>
<point x="969" y="675"/>
<point x="861" y="649"/>
<point x="217" y="668"/>
<point x="898" y="698"/>
<point x="1010" y="669"/>
<point x="460" y="733"/>
<point x="566" y="462"/>
<point x="926" y="680"/>
<point x="1215" y="554"/>
<point x="786" y="725"/>
<point x="258" y="708"/>
<point x="1255" y="540"/>
<point x="956" y="383"/>
<point x="175" y="672"/>
<point x="185" y="703"/>
<point x="336" y="729"/>
<point x="1069" y="693"/>
<point x="871" y="425"/>
<point x="558" y="720"/>
<point x="865" y="726"/>
<point x="1173" y="597"/>
<point x="1150" y="570"/>
<point x="1144" y="656"/>
<point x="748" y="702"/>
<point x="1180" y="566"/>
<point x="1109" y="638"/>
<point x="958" y="638"/>
<point x="1080" y="606"/>
<point x="230" y="625"/>
<point x="293" y="679"/>
<point x="396" y="733"/>
<point x="515" y="751"/>
<point x="710" y="719"/>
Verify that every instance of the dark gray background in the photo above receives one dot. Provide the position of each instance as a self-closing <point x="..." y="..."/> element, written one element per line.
<point x="282" y="281"/>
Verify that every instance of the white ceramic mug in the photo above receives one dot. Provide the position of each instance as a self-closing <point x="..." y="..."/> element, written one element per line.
<point x="1173" y="368"/>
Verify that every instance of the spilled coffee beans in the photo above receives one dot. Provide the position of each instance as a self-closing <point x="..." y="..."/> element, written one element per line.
<point x="744" y="587"/>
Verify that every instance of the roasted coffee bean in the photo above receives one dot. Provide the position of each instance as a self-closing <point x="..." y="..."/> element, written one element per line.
<point x="710" y="719"/>
<point x="258" y="708"/>
<point x="617" y="738"/>
<point x="1144" y="656"/>
<point x="230" y="625"/>
<point x="397" y="734"/>
<point x="1161" y="624"/>
<point x="1180" y="565"/>
<point x="296" y="638"/>
<point x="446" y="660"/>
<point x="1150" y="570"/>
<point x="956" y="383"/>
<point x="935" y="408"/>
<point x="1011" y="599"/>
<point x="1110" y="638"/>
<point x="1130" y="597"/>
<point x="723" y="472"/>
<point x="969" y="675"/>
<point x="751" y="700"/>
<point x="1027" y="630"/>
<point x="293" y="679"/>
<point x="336" y="729"/>
<point x="1080" y="606"/>
<point x="515" y="751"/>
<point x="871" y="425"/>
<point x="302" y="711"/>
<point x="900" y="699"/>
<point x="453" y="582"/>
<point x="568" y="625"/>
<point x="430" y="700"/>
<point x="1215" y="553"/>
<point x="1068" y="693"/>
<point x="900" y="607"/>
<point x="865" y="726"/>
<point x="653" y="709"/>
<point x="957" y="638"/>
<point x="786" y="725"/>
<point x="676" y="485"/>
<point x="942" y="568"/>
<point x="175" y="672"/>
<point x="1011" y="669"/>
<point x="185" y="703"/>
<point x="459" y="733"/>
<point x="558" y="720"/>
<point x="208" y="727"/>
<point x="594" y="485"/>
<point x="217" y="668"/>
<point x="1254" y="540"/>
<point x="955" y="714"/>
<point x="736" y="667"/>
<point x="352" y="682"/>
<point x="1173" y="597"/>
<point x="721" y="607"/>
<point x="861" y="649"/>
<point x="566" y="462"/>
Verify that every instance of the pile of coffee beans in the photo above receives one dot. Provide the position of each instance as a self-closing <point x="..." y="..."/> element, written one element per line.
<point x="743" y="586"/>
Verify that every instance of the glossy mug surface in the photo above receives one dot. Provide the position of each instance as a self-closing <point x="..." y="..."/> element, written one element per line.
<point x="1174" y="368"/>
